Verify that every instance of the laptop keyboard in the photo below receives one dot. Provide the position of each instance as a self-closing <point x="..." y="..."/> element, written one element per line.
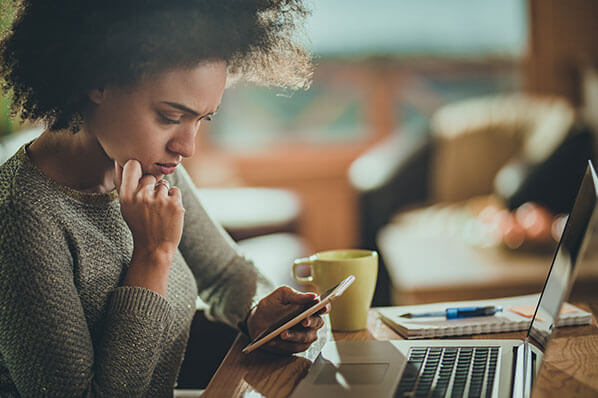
<point x="449" y="371"/>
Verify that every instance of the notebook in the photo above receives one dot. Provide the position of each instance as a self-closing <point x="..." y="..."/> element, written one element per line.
<point x="516" y="315"/>
<point x="459" y="368"/>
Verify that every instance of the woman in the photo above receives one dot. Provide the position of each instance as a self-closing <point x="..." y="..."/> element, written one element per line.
<point x="104" y="245"/>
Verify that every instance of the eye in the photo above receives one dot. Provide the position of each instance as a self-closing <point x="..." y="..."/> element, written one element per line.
<point x="167" y="120"/>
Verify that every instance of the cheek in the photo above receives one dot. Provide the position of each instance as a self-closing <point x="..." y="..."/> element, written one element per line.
<point x="146" y="143"/>
<point x="129" y="132"/>
<point x="124" y="139"/>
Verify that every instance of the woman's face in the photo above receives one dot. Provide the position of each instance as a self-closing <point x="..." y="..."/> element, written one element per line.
<point x="156" y="121"/>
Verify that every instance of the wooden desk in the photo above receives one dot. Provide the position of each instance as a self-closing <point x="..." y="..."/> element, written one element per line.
<point x="570" y="367"/>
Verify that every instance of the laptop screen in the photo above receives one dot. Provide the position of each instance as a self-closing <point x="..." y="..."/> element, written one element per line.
<point x="569" y="253"/>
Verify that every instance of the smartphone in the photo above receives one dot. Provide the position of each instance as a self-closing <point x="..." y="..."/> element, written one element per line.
<point x="295" y="317"/>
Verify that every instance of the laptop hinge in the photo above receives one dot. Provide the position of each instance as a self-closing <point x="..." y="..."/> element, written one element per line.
<point x="522" y="376"/>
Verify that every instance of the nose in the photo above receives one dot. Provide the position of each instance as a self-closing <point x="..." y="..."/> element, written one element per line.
<point x="183" y="143"/>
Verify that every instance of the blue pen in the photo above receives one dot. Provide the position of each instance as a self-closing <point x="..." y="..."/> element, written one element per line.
<point x="455" y="313"/>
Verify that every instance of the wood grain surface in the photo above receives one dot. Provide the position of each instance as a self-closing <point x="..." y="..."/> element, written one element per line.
<point x="569" y="369"/>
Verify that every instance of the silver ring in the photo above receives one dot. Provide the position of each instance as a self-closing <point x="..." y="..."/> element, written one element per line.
<point x="163" y="182"/>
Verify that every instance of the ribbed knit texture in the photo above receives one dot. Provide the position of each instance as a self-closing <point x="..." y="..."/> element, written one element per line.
<point x="67" y="325"/>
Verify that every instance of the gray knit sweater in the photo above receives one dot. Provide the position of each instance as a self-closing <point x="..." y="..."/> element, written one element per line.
<point x="67" y="325"/>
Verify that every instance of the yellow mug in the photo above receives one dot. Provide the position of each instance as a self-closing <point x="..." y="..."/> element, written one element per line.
<point x="350" y="311"/>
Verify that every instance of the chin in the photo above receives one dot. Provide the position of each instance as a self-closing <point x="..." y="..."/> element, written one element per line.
<point x="156" y="173"/>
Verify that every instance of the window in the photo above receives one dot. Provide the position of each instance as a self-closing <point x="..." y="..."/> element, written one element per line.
<point x="424" y="53"/>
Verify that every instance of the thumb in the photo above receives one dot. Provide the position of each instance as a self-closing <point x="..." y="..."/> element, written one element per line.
<point x="118" y="174"/>
<point x="291" y="296"/>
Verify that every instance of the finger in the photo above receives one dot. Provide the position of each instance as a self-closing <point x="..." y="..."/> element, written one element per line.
<point x="175" y="193"/>
<point x="289" y="295"/>
<point x="324" y="310"/>
<point x="131" y="175"/>
<point x="161" y="190"/>
<point x="314" y="322"/>
<point x="147" y="182"/>
<point x="306" y="336"/>
<point x="118" y="174"/>
<point x="162" y="187"/>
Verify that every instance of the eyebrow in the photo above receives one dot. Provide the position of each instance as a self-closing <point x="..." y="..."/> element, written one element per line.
<point x="186" y="109"/>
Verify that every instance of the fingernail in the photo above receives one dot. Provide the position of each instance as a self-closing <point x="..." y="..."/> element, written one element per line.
<point x="286" y="335"/>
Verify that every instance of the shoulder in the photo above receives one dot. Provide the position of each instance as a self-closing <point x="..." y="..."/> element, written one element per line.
<point x="25" y="198"/>
<point x="12" y="173"/>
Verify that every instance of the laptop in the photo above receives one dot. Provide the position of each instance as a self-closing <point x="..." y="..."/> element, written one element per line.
<point x="459" y="368"/>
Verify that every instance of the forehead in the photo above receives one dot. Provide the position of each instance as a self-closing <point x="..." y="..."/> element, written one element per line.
<point x="198" y="87"/>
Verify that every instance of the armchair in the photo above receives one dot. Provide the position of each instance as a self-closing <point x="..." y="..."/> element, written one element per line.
<point x="520" y="148"/>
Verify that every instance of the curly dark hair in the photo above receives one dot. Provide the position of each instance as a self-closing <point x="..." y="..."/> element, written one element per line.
<point x="56" y="51"/>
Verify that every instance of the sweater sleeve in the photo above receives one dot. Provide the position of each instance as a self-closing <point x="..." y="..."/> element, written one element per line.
<point x="45" y="342"/>
<point x="227" y="281"/>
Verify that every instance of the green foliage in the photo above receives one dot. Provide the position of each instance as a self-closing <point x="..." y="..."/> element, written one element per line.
<point x="8" y="9"/>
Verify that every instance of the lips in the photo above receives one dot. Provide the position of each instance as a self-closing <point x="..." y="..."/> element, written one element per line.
<point x="167" y="168"/>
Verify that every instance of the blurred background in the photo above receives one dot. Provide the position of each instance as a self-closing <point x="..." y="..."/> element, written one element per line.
<point x="424" y="115"/>
<point x="381" y="67"/>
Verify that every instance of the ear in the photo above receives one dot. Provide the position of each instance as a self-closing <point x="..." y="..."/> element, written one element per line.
<point x="97" y="95"/>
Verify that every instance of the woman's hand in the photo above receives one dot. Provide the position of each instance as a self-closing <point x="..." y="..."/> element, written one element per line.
<point x="271" y="308"/>
<point x="154" y="214"/>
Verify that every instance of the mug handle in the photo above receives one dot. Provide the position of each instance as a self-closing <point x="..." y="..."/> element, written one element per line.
<point x="303" y="261"/>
